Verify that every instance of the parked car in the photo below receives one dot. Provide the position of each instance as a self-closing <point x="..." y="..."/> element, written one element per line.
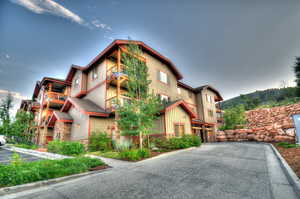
<point x="2" y="140"/>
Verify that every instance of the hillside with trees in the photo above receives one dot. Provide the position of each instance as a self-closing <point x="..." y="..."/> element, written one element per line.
<point x="264" y="98"/>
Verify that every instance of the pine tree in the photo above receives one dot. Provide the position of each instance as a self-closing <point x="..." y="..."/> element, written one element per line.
<point x="297" y="74"/>
<point x="5" y="106"/>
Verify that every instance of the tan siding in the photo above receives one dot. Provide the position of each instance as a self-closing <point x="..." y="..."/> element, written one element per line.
<point x="101" y="71"/>
<point x="154" y="65"/>
<point x="209" y="106"/>
<point x="97" y="96"/>
<point x="101" y="124"/>
<point x="177" y="115"/>
<point x="76" y="90"/>
<point x="79" y="129"/>
<point x="159" y="126"/>
<point x="189" y="97"/>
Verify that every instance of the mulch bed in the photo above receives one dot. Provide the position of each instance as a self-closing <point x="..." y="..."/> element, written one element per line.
<point x="292" y="156"/>
<point x="99" y="168"/>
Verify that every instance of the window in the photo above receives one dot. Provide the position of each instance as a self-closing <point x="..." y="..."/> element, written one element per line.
<point x="164" y="98"/>
<point x="210" y="113"/>
<point x="178" y="90"/>
<point x="163" y="77"/>
<point x="76" y="82"/>
<point x="179" y="130"/>
<point x="94" y="73"/>
<point x="190" y="94"/>
<point x="208" y="98"/>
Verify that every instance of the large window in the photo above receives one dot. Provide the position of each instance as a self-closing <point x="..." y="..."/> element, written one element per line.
<point x="179" y="130"/>
<point x="163" y="77"/>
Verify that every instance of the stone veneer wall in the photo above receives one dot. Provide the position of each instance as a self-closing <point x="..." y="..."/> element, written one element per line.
<point x="265" y="125"/>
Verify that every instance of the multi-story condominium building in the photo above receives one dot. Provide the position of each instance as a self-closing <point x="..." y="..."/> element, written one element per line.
<point x="85" y="101"/>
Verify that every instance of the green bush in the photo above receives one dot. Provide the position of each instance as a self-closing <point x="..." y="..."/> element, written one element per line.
<point x="19" y="172"/>
<point x="185" y="141"/>
<point x="66" y="148"/>
<point x="26" y="146"/>
<point x="288" y="145"/>
<point x="135" y="154"/>
<point x="100" y="142"/>
<point x="234" y="117"/>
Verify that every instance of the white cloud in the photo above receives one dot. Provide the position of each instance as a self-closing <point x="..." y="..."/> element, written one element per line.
<point x="98" y="24"/>
<point x="50" y="7"/>
<point x="7" y="56"/>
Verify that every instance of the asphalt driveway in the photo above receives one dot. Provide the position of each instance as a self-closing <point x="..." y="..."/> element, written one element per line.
<point x="220" y="170"/>
<point x="6" y="156"/>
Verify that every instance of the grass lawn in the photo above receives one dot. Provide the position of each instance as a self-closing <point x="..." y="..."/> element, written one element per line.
<point x="19" y="172"/>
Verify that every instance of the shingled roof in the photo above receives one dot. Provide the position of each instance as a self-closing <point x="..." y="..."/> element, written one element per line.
<point x="86" y="106"/>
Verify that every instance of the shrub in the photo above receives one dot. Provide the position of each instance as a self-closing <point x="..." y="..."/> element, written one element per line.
<point x="66" y="148"/>
<point x="135" y="154"/>
<point x="288" y="145"/>
<point x="26" y="172"/>
<point x="26" y="146"/>
<point x="125" y="145"/>
<point x="177" y="142"/>
<point x="100" y="142"/>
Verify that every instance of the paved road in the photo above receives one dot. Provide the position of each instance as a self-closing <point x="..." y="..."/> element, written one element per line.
<point x="220" y="170"/>
<point x="6" y="156"/>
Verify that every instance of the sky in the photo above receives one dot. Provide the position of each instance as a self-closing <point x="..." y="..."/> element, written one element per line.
<point x="237" y="46"/>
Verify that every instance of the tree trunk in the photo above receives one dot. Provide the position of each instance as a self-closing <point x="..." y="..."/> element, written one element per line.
<point x="141" y="140"/>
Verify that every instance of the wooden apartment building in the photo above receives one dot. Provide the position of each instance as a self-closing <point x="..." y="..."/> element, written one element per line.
<point x="83" y="103"/>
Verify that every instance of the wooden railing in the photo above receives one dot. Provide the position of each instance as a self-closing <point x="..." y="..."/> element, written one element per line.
<point x="54" y="96"/>
<point x="111" y="103"/>
<point x="112" y="73"/>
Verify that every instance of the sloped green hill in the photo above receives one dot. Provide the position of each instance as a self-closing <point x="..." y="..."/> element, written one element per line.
<point x="269" y="97"/>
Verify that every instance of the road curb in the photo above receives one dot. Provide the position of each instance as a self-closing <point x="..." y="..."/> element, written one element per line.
<point x="167" y="154"/>
<point x="44" y="155"/>
<point x="25" y="187"/>
<point x="291" y="176"/>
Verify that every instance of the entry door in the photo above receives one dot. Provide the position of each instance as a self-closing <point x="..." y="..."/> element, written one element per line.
<point x="297" y="125"/>
<point x="179" y="130"/>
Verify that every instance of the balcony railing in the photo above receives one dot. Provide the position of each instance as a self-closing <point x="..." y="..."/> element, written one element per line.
<point x="55" y="97"/>
<point x="113" y="73"/>
<point x="112" y="103"/>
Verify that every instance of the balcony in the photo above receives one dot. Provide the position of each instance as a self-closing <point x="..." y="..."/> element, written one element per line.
<point x="113" y="75"/>
<point x="54" y="99"/>
<point x="111" y="103"/>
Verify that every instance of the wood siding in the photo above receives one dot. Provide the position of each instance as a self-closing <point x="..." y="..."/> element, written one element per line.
<point x="101" y="124"/>
<point x="177" y="115"/>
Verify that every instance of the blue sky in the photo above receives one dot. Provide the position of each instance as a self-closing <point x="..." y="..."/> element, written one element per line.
<point x="236" y="46"/>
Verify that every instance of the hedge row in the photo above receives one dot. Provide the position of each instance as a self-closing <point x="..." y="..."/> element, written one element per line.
<point x="19" y="172"/>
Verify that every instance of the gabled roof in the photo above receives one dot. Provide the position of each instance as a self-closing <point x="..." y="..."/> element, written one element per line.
<point x="86" y="106"/>
<point x="199" y="89"/>
<point x="113" y="46"/>
<point x="181" y="103"/>
<point x="60" y="116"/>
<point x="45" y="80"/>
<point x="72" y="71"/>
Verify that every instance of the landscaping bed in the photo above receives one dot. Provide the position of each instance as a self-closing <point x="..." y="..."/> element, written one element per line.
<point x="20" y="172"/>
<point x="129" y="152"/>
<point x="291" y="153"/>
